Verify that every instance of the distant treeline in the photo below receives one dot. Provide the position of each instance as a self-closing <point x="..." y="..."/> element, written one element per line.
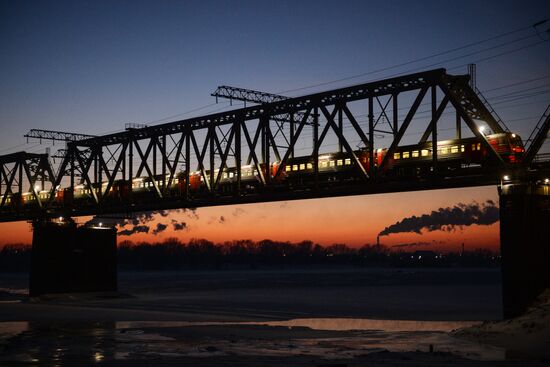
<point x="173" y="254"/>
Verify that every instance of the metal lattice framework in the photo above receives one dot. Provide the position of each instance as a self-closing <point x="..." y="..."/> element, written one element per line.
<point x="246" y="95"/>
<point x="24" y="174"/>
<point x="256" y="137"/>
<point x="55" y="135"/>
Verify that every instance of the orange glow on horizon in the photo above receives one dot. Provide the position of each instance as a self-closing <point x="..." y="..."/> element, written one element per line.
<point x="354" y="220"/>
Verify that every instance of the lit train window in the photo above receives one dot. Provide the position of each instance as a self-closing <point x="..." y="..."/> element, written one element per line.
<point x="454" y="149"/>
<point x="323" y="164"/>
<point x="309" y="166"/>
<point x="176" y="180"/>
<point x="347" y="162"/>
<point x="396" y="155"/>
<point x="425" y="152"/>
<point x="415" y="153"/>
<point x="462" y="148"/>
<point x="231" y="174"/>
<point x="445" y="150"/>
<point x="478" y="146"/>
<point x="405" y="155"/>
<point x="225" y="175"/>
<point x="473" y="147"/>
<point x="295" y="167"/>
<point x="302" y="166"/>
<point x="340" y="162"/>
<point x="288" y="168"/>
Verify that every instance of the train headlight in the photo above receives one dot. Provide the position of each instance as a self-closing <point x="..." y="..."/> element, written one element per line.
<point x="506" y="178"/>
<point x="546" y="180"/>
<point x="481" y="129"/>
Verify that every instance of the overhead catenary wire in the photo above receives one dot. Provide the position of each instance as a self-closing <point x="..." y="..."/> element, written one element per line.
<point x="472" y="44"/>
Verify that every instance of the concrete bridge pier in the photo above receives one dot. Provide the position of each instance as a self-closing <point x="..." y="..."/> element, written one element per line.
<point x="67" y="258"/>
<point x="525" y="244"/>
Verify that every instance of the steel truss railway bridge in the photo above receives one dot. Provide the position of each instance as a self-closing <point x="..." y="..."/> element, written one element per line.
<point x="271" y="132"/>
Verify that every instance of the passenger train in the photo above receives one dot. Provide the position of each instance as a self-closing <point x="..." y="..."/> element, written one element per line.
<point x="410" y="161"/>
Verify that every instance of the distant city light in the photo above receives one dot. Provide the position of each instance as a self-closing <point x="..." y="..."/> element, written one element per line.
<point x="546" y="180"/>
<point x="61" y="219"/>
<point x="506" y="178"/>
<point x="100" y="224"/>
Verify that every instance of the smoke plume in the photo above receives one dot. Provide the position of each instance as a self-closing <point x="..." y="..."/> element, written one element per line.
<point x="139" y="221"/>
<point x="447" y="219"/>
<point x="134" y="229"/>
<point x="160" y="228"/>
<point x="179" y="226"/>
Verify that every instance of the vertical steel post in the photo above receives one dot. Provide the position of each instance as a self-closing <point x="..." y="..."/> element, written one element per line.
<point x="263" y="134"/>
<point x="123" y="168"/>
<point x="187" y="162"/>
<point x="20" y="177"/>
<point x="237" y="131"/>
<point x="292" y="131"/>
<point x="434" y="128"/>
<point x="212" y="155"/>
<point x="155" y="159"/>
<point x="100" y="175"/>
<point x="265" y="139"/>
<point x="131" y="164"/>
<point x="371" y="137"/>
<point x="340" y="128"/>
<point x="315" y="145"/>
<point x="395" y="115"/>
<point x="164" y="162"/>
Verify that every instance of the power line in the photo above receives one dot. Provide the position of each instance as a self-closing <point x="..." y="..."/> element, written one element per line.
<point x="413" y="61"/>
<point x="501" y="54"/>
<point x="474" y="53"/>
<point x="515" y="84"/>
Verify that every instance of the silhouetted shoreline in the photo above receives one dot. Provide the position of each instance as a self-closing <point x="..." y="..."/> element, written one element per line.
<point x="172" y="254"/>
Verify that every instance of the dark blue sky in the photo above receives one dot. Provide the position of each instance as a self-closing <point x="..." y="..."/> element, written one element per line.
<point x="91" y="66"/>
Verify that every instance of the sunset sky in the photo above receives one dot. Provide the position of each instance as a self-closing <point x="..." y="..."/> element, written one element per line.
<point x="352" y="220"/>
<point x="92" y="66"/>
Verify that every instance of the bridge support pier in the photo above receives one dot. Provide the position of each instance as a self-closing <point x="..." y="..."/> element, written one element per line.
<point x="69" y="259"/>
<point x="525" y="244"/>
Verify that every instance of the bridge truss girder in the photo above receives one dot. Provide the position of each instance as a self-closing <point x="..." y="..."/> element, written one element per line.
<point x="211" y="144"/>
